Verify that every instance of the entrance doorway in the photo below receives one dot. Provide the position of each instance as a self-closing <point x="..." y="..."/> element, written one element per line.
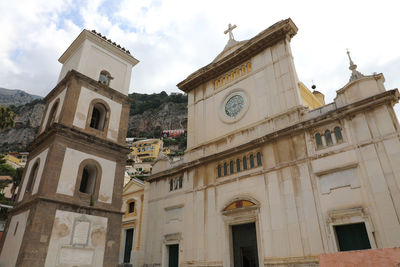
<point x="128" y="245"/>
<point x="244" y="239"/>
<point x="173" y="255"/>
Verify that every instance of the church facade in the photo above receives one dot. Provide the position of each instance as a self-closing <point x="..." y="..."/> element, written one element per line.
<point x="272" y="176"/>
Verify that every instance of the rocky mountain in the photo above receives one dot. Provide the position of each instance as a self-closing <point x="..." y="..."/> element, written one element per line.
<point x="15" y="97"/>
<point x="149" y="115"/>
<point x="27" y="122"/>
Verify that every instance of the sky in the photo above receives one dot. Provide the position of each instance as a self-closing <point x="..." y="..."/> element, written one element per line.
<point x="174" y="38"/>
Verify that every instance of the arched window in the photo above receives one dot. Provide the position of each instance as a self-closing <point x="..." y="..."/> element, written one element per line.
<point x="105" y="77"/>
<point x="52" y="114"/>
<point x="180" y="180"/>
<point x="244" y="163"/>
<point x="318" y="140"/>
<point x="99" y="114"/>
<point x="338" y="134"/>
<point x="328" y="138"/>
<point x="259" y="162"/>
<point x="238" y="165"/>
<point x="171" y="184"/>
<point x="88" y="180"/>
<point x="219" y="170"/>
<point x="251" y="161"/>
<point x="231" y="169"/>
<point x="32" y="177"/>
<point x="225" y="168"/>
<point x="131" y="207"/>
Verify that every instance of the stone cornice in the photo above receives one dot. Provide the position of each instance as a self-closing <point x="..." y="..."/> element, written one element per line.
<point x="368" y="77"/>
<point x="77" y="136"/>
<point x="281" y="30"/>
<point x="391" y="97"/>
<point x="27" y="204"/>
<point x="73" y="74"/>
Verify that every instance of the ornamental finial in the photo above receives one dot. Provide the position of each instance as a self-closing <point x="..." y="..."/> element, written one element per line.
<point x="355" y="74"/>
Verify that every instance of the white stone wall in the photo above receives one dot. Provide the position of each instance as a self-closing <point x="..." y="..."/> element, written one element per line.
<point x="72" y="63"/>
<point x="82" y="112"/>
<point x="90" y="59"/>
<point x="303" y="192"/>
<point x="35" y="187"/>
<point x="77" y="240"/>
<point x="60" y="97"/>
<point x="69" y="174"/>
<point x="13" y="239"/>
<point x="271" y="88"/>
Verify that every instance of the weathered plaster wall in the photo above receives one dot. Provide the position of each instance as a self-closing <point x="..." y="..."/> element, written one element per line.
<point x="72" y="63"/>
<point x="90" y="59"/>
<point x="13" y="239"/>
<point x="69" y="174"/>
<point x="77" y="240"/>
<point x="82" y="112"/>
<point x="303" y="192"/>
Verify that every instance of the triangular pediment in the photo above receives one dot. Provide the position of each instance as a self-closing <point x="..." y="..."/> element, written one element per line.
<point x="133" y="186"/>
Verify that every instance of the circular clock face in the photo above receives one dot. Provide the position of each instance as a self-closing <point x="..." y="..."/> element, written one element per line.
<point x="234" y="106"/>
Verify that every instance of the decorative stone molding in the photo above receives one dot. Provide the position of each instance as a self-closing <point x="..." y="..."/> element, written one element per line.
<point x="243" y="109"/>
<point x="232" y="75"/>
<point x="350" y="216"/>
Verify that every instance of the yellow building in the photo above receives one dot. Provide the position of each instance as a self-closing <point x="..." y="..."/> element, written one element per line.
<point x="310" y="99"/>
<point x="16" y="159"/>
<point x="147" y="149"/>
<point x="12" y="161"/>
<point x="132" y="199"/>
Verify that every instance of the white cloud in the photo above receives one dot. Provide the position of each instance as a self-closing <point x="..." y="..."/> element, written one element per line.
<point x="173" y="38"/>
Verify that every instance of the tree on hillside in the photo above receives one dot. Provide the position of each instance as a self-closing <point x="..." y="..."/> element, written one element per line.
<point x="6" y="170"/>
<point x="6" y="117"/>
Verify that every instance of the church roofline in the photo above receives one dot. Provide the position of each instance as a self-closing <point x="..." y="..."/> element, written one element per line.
<point x="270" y="36"/>
<point x="391" y="96"/>
<point x="100" y="40"/>
<point x="364" y="77"/>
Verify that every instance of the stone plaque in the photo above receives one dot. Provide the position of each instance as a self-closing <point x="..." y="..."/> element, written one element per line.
<point x="81" y="233"/>
<point x="76" y="256"/>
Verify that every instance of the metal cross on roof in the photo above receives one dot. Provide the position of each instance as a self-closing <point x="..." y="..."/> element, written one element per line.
<point x="230" y="29"/>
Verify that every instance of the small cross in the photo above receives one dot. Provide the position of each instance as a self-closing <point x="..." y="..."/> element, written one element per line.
<point x="230" y="29"/>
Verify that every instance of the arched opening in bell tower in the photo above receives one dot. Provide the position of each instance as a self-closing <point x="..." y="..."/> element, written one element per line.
<point x="32" y="177"/>
<point x="52" y="114"/>
<point x="88" y="180"/>
<point x="105" y="77"/>
<point x="98" y="118"/>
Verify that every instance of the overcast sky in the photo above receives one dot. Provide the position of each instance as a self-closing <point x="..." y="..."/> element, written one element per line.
<point x="173" y="38"/>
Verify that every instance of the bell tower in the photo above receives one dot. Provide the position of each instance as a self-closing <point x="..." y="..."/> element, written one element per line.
<point x="67" y="211"/>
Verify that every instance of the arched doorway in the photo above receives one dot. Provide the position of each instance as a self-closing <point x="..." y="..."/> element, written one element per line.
<point x="241" y="224"/>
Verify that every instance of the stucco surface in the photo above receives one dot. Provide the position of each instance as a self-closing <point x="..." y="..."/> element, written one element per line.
<point x="385" y="257"/>
<point x="63" y="251"/>
<point x="69" y="174"/>
<point x="13" y="239"/>
<point x="82" y="112"/>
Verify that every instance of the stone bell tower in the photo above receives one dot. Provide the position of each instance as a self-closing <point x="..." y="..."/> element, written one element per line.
<point x="67" y="212"/>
